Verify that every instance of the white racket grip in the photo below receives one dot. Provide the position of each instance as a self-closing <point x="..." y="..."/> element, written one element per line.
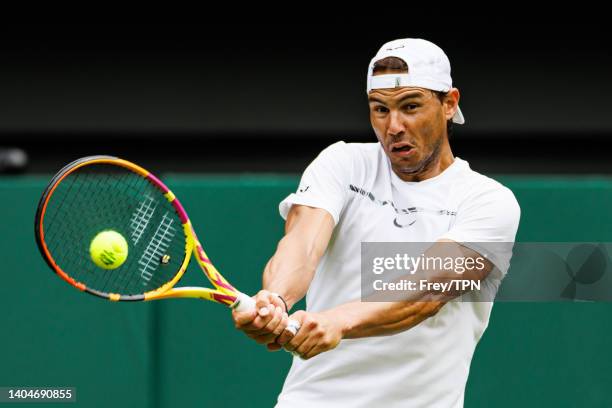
<point x="293" y="326"/>
<point x="245" y="303"/>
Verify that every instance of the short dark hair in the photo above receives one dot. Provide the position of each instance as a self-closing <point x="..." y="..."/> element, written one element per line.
<point x="390" y="64"/>
<point x="399" y="65"/>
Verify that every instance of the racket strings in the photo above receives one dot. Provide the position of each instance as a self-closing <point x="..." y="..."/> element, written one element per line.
<point x="106" y="197"/>
<point x="108" y="284"/>
<point x="57" y="236"/>
<point x="122" y="280"/>
<point x="152" y="255"/>
<point x="103" y="282"/>
<point x="71" y="255"/>
<point x="88" y="201"/>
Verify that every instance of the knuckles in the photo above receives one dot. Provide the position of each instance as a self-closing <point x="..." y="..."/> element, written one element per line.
<point x="311" y="324"/>
<point x="271" y="329"/>
<point x="257" y="325"/>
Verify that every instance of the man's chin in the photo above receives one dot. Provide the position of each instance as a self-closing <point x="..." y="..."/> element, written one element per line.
<point x="408" y="170"/>
<point x="408" y="165"/>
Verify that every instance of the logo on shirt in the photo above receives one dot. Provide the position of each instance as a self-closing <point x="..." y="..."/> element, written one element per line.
<point x="404" y="217"/>
<point x="303" y="189"/>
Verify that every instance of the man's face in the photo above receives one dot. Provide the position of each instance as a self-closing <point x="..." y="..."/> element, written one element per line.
<point x="410" y="124"/>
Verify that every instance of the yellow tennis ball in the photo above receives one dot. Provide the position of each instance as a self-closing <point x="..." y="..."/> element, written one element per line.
<point x="108" y="249"/>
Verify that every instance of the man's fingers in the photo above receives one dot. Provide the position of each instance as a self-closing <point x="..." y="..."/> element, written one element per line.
<point x="264" y="298"/>
<point x="284" y="338"/>
<point x="242" y="319"/>
<point x="267" y="322"/>
<point x="304" y="349"/>
<point x="278" y="323"/>
<point x="293" y="344"/>
<point x="317" y="349"/>
<point x="259" y="323"/>
<point x="267" y="333"/>
<point x="323" y="344"/>
<point x="287" y="339"/>
<point x="280" y="328"/>
<point x="273" y="346"/>
<point x="287" y="335"/>
<point x="275" y="327"/>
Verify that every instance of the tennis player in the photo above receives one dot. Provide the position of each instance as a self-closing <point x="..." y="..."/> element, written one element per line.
<point x="408" y="187"/>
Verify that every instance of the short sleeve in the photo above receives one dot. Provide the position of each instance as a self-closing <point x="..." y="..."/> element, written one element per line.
<point x="487" y="222"/>
<point x="324" y="183"/>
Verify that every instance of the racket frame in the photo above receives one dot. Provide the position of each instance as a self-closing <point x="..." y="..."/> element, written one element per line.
<point x="223" y="293"/>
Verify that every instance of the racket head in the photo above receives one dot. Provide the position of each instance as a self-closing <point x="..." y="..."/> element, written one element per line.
<point x="99" y="193"/>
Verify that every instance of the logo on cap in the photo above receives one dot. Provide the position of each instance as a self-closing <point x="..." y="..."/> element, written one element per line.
<point x="391" y="49"/>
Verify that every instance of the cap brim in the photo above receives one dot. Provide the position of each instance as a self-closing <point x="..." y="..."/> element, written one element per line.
<point x="458" y="117"/>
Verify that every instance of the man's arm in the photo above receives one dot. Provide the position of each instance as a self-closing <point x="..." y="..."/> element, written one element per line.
<point x="291" y="269"/>
<point x="323" y="331"/>
<point x="288" y="273"/>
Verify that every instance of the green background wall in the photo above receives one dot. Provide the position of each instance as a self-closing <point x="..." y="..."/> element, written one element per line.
<point x="186" y="352"/>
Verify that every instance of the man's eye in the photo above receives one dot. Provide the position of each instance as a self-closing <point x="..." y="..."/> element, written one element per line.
<point x="381" y="109"/>
<point x="411" y="106"/>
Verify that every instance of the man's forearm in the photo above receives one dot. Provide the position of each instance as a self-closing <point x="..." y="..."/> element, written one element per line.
<point x="367" y="319"/>
<point x="364" y="319"/>
<point x="290" y="271"/>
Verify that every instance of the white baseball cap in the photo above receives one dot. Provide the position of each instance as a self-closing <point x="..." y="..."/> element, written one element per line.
<point x="428" y="67"/>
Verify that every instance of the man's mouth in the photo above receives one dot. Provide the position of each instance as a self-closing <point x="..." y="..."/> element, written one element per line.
<point x="403" y="147"/>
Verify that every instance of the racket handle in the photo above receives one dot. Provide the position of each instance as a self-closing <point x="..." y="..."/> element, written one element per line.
<point x="245" y="303"/>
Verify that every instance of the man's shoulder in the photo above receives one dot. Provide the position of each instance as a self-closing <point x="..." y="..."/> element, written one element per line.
<point x="480" y="187"/>
<point x="364" y="153"/>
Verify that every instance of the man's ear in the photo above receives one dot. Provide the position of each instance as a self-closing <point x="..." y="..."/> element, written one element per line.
<point x="451" y="103"/>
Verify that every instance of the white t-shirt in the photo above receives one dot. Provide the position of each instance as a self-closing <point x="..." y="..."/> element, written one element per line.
<point x="427" y="365"/>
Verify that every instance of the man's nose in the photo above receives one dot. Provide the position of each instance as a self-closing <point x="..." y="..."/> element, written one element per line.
<point x="396" y="127"/>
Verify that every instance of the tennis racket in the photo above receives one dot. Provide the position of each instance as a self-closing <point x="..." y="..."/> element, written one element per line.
<point x="100" y="193"/>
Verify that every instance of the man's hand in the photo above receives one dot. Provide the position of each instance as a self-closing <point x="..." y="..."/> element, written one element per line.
<point x="266" y="322"/>
<point x="319" y="332"/>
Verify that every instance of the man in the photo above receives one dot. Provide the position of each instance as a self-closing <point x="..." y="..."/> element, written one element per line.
<point x="407" y="188"/>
